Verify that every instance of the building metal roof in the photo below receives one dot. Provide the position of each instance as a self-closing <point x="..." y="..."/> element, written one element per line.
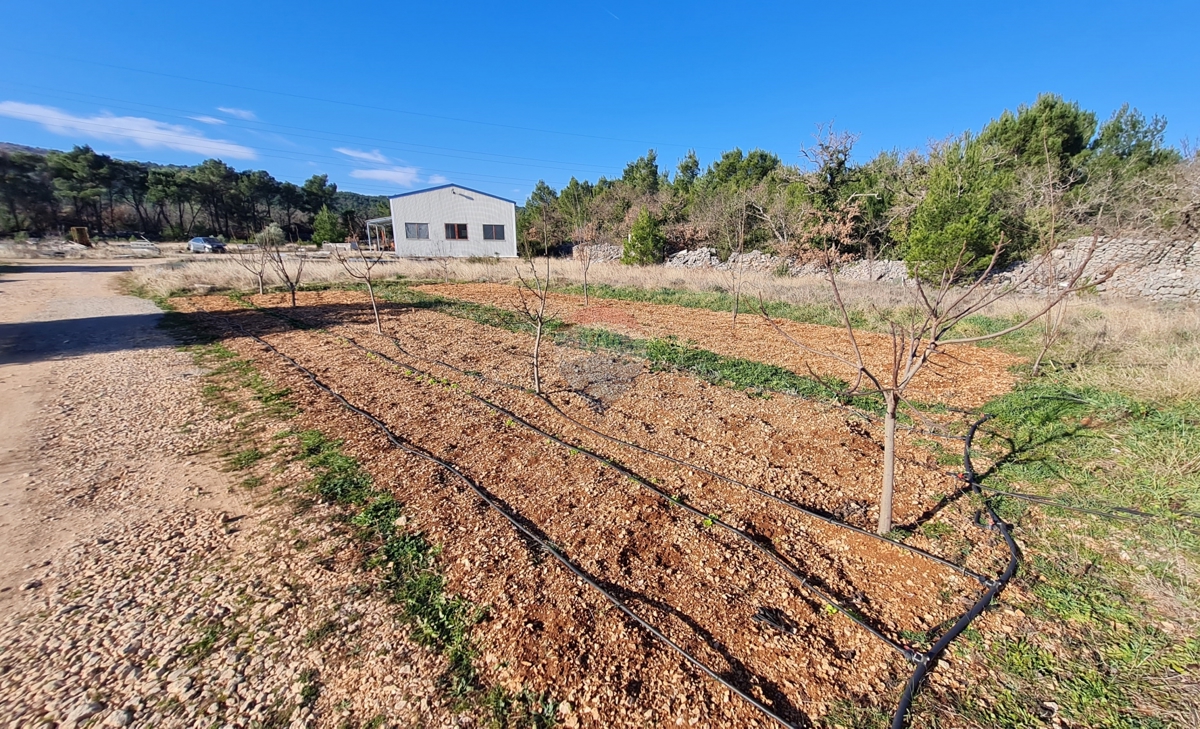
<point x="451" y="184"/>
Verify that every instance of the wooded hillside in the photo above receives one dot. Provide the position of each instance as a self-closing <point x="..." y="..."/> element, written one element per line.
<point x="45" y="191"/>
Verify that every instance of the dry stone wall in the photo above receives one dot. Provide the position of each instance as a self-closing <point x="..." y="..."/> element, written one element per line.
<point x="1143" y="269"/>
<point x="1167" y="271"/>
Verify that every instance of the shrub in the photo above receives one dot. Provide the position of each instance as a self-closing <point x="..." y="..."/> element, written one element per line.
<point x="327" y="228"/>
<point x="964" y="207"/>
<point x="646" y="244"/>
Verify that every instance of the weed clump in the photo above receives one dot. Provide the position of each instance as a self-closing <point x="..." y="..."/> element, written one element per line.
<point x="439" y="621"/>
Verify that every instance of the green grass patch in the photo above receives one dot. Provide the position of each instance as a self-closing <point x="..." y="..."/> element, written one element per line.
<point x="492" y="316"/>
<point x="524" y="709"/>
<point x="228" y="373"/>
<point x="719" y="300"/>
<point x="821" y="313"/>
<point x="242" y="460"/>
<point x="439" y="621"/>
<point x="1099" y="590"/>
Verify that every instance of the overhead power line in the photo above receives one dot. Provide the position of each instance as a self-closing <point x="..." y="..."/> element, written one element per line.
<point x="359" y="105"/>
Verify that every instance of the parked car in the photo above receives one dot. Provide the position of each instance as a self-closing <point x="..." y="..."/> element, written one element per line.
<point x="204" y="244"/>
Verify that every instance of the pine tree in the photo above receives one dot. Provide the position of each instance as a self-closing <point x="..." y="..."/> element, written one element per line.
<point x="646" y="244"/>
<point x="326" y="227"/>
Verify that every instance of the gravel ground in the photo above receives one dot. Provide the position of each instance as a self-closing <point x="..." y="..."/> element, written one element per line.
<point x="550" y="633"/>
<point x="152" y="589"/>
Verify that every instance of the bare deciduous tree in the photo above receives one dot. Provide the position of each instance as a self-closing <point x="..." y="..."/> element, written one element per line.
<point x="535" y="291"/>
<point x="289" y="269"/>
<point x="582" y="253"/>
<point x="724" y="216"/>
<point x="360" y="265"/>
<point x="769" y="202"/>
<point x="257" y="259"/>
<point x="919" y="332"/>
<point x="441" y="254"/>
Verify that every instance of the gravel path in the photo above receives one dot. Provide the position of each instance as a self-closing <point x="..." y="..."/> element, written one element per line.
<point x="141" y="586"/>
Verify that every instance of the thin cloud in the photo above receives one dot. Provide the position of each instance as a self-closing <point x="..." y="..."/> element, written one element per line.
<point x="372" y="156"/>
<point x="437" y="180"/>
<point x="239" y="113"/>
<point x="402" y="176"/>
<point x="207" y="119"/>
<point x="141" y="131"/>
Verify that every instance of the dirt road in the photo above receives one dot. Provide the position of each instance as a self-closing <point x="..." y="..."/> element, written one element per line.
<point x="53" y="320"/>
<point x="139" y="584"/>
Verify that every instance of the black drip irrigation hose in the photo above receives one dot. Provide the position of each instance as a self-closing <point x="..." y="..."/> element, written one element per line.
<point x="1116" y="513"/>
<point x="708" y="519"/>
<point x="927" y="659"/>
<point x="546" y="545"/>
<point x="701" y="469"/>
<point x="924" y="661"/>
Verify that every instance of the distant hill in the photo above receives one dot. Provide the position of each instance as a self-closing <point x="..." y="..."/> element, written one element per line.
<point x="10" y="147"/>
<point x="366" y="205"/>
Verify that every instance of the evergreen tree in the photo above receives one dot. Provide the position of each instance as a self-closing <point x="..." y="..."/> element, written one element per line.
<point x="327" y="227"/>
<point x="1050" y="124"/>
<point x="964" y="207"/>
<point x="646" y="243"/>
<point x="1128" y="144"/>
<point x="642" y="174"/>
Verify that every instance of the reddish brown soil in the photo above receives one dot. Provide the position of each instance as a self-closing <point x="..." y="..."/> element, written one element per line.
<point x="961" y="375"/>
<point x="548" y="631"/>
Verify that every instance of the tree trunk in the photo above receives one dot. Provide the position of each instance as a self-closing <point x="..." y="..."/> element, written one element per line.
<point x="374" y="308"/>
<point x="889" y="462"/>
<point x="537" y="351"/>
<point x="737" y="299"/>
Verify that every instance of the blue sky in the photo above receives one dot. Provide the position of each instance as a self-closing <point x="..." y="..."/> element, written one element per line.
<point x="387" y="97"/>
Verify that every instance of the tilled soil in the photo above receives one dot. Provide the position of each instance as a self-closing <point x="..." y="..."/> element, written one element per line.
<point x="693" y="580"/>
<point x="964" y="376"/>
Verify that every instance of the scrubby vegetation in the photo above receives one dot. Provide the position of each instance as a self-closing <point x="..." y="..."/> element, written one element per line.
<point x="1049" y="167"/>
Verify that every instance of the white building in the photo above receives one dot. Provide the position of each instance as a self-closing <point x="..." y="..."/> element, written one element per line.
<point x="450" y="220"/>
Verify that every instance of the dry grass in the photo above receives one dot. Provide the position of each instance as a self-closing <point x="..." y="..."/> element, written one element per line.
<point x="1145" y="350"/>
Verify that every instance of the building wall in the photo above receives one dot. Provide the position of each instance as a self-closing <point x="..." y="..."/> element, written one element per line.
<point x="454" y="204"/>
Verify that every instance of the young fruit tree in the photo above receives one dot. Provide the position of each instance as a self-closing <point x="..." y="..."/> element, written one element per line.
<point x="360" y="264"/>
<point x="925" y="328"/>
<point x="256" y="259"/>
<point x="288" y="268"/>
<point x="582" y="253"/>
<point x="534" y="292"/>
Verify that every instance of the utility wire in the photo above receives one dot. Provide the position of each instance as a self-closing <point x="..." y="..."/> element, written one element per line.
<point x="356" y="105"/>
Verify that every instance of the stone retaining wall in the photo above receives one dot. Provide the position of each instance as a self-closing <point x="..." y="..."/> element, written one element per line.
<point x="1153" y="270"/>
<point x="1143" y="269"/>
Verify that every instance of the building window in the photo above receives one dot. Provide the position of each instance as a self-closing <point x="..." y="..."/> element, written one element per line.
<point x="456" y="231"/>
<point x="419" y="231"/>
<point x="493" y="232"/>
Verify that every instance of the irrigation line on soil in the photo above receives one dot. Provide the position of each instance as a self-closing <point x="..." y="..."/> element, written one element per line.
<point x="708" y="519"/>
<point x="549" y="547"/>
<point x="923" y="661"/>
<point x="983" y="580"/>
<point x="1116" y="513"/>
<point x="927" y="659"/>
<point x="701" y="469"/>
